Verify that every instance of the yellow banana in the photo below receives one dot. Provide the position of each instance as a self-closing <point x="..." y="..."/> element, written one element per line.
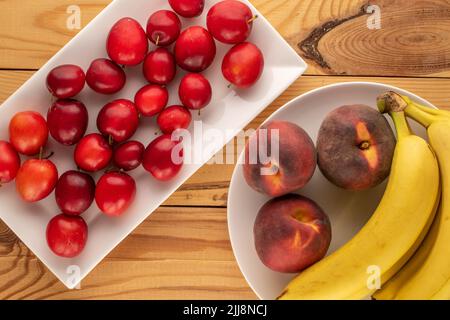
<point x="444" y="293"/>
<point x="390" y="289"/>
<point x="390" y="237"/>
<point x="427" y="274"/>
<point x="436" y="112"/>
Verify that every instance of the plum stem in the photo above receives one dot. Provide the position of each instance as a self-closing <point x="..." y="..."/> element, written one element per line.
<point x="252" y="19"/>
<point x="49" y="156"/>
<point x="110" y="140"/>
<point x="157" y="40"/>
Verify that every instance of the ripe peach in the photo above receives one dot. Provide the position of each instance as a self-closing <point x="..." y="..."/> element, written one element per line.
<point x="291" y="233"/>
<point x="355" y="147"/>
<point x="278" y="173"/>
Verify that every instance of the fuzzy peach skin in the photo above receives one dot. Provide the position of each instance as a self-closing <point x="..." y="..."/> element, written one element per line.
<point x="355" y="147"/>
<point x="291" y="233"/>
<point x="293" y="169"/>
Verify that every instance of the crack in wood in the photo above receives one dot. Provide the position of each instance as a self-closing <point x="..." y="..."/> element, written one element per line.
<point x="204" y="186"/>
<point x="310" y="45"/>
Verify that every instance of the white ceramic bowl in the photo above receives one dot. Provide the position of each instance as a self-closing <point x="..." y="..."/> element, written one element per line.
<point x="229" y="112"/>
<point x="348" y="211"/>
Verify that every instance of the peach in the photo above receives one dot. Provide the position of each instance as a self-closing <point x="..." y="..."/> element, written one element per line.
<point x="273" y="172"/>
<point x="355" y="147"/>
<point x="291" y="233"/>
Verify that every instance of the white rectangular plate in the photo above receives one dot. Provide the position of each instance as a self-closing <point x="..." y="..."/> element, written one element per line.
<point x="229" y="112"/>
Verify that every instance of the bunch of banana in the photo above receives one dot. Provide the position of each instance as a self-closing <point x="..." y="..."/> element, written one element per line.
<point x="390" y="237"/>
<point x="427" y="274"/>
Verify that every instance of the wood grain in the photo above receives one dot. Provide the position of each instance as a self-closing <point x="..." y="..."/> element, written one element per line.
<point x="178" y="253"/>
<point x="33" y="31"/>
<point x="414" y="39"/>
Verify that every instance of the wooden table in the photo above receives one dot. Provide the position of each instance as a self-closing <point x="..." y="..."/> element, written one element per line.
<point x="183" y="250"/>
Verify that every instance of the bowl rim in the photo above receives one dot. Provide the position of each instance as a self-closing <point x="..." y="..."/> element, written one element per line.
<point x="274" y="115"/>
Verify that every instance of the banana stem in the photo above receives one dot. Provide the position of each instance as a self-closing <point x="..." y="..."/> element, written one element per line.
<point x="436" y="112"/>
<point x="401" y="125"/>
<point x="420" y="116"/>
<point x="392" y="102"/>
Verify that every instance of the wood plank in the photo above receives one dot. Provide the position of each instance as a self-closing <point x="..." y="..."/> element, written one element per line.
<point x="116" y="279"/>
<point x="208" y="187"/>
<point x="32" y="32"/>
<point x="178" y="253"/>
<point x="331" y="34"/>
